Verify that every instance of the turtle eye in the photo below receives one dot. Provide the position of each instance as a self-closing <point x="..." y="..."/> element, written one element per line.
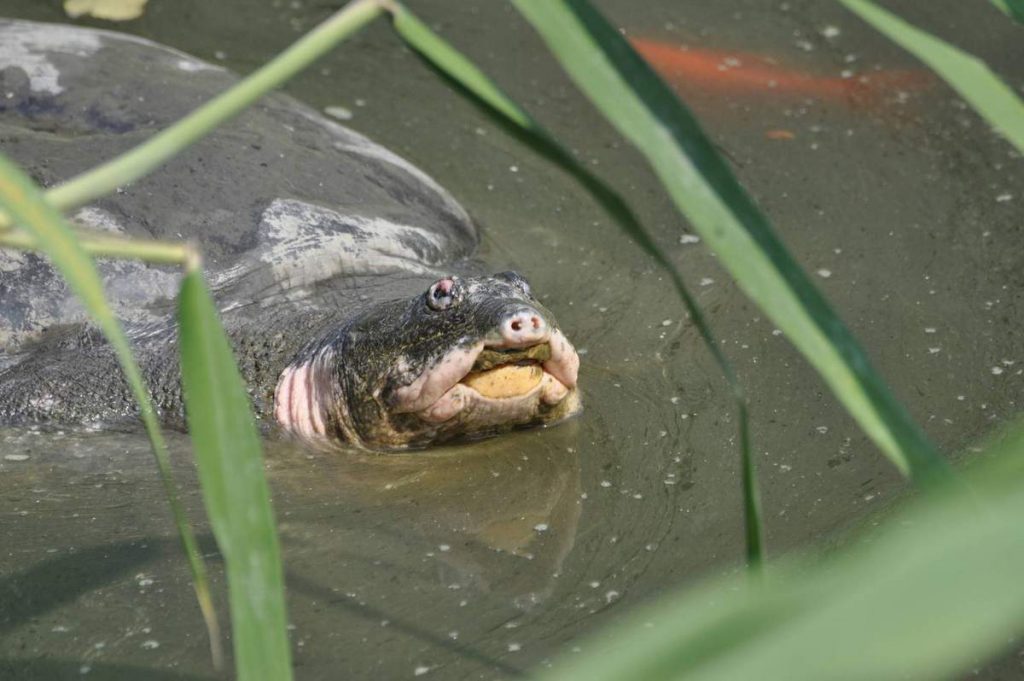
<point x="442" y="294"/>
<point x="517" y="280"/>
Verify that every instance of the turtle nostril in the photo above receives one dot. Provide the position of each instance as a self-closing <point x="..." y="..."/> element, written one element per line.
<point x="524" y="326"/>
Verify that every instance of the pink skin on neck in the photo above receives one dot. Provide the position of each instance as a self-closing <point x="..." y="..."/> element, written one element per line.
<point x="296" y="402"/>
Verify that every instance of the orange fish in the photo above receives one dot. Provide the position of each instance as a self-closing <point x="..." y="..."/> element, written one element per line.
<point x="735" y="73"/>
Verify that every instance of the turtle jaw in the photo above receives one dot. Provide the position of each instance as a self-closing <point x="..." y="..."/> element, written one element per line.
<point x="488" y="385"/>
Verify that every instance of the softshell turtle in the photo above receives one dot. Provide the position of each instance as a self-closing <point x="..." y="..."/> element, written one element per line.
<point x="342" y="272"/>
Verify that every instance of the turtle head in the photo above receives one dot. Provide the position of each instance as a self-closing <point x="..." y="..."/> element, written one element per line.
<point x="466" y="358"/>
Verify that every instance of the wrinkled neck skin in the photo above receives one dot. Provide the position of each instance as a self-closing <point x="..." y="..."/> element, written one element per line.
<point x="466" y="359"/>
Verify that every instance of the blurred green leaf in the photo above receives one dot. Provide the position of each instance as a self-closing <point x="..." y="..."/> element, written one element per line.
<point x="967" y="74"/>
<point x="932" y="591"/>
<point x="227" y="451"/>
<point x="473" y="83"/>
<point x="647" y="113"/>
<point x="26" y="204"/>
<point x="1011" y="8"/>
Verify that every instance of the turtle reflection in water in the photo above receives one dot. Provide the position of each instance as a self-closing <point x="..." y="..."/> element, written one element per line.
<point x="330" y="257"/>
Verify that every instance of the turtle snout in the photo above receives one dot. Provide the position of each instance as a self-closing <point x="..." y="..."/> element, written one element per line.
<point x="524" y="327"/>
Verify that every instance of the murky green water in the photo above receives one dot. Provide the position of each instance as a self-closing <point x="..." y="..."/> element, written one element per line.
<point x="481" y="561"/>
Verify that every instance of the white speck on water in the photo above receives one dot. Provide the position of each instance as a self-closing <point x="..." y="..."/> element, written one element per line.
<point x="804" y="45"/>
<point x="666" y="322"/>
<point x="707" y="281"/>
<point x="824" y="273"/>
<point x="961" y="398"/>
<point x="1007" y="362"/>
<point x="541" y="527"/>
<point x="934" y="351"/>
<point x="339" y="112"/>
<point x="220" y="54"/>
<point x="822" y="429"/>
<point x="360" y="102"/>
<point x="594" y="584"/>
<point x="16" y="457"/>
<point x="638" y="496"/>
<point x="420" y="671"/>
<point x="514" y="647"/>
<point x="444" y="547"/>
<point x="785" y="467"/>
<point x="688" y="239"/>
<point x="997" y="371"/>
<point x="84" y="669"/>
<point x="453" y="635"/>
<point x="1004" y="197"/>
<point x="606" y="483"/>
<point x="930" y="329"/>
<point x="59" y="629"/>
<point x="611" y="596"/>
<point x="830" y="31"/>
<point x="151" y="644"/>
<point x="514" y="169"/>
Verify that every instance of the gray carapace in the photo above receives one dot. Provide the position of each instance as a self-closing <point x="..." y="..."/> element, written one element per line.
<point x="342" y="272"/>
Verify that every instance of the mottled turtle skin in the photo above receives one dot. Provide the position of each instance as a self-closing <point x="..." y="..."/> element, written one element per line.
<point x="324" y="250"/>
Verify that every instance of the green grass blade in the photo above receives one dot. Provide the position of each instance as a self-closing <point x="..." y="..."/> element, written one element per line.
<point x="992" y="98"/>
<point x="105" y="246"/>
<point x="1011" y="8"/>
<point x="472" y="82"/>
<point x="931" y="592"/>
<point x="144" y="158"/>
<point x="751" y="498"/>
<point x="26" y="204"/>
<point x="648" y="114"/>
<point x="227" y="450"/>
